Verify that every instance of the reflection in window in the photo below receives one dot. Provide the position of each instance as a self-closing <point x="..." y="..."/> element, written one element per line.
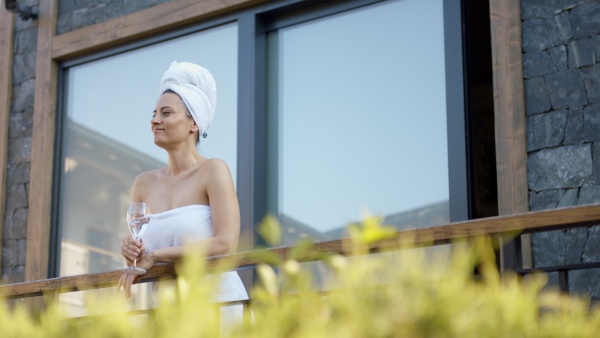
<point x="361" y="114"/>
<point x="107" y="142"/>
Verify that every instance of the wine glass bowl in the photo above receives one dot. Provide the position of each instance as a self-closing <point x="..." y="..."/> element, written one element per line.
<point x="137" y="221"/>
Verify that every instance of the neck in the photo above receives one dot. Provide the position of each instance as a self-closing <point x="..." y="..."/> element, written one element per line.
<point x="182" y="159"/>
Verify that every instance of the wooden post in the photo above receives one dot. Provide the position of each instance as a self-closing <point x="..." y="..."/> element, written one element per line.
<point x="509" y="111"/>
<point x="7" y="20"/>
<point x="42" y="147"/>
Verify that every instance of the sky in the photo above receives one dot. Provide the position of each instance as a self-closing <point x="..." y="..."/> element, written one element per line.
<point x="361" y="104"/>
<point x="363" y="113"/>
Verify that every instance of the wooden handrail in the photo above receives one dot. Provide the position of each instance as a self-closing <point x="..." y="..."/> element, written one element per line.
<point x="511" y="224"/>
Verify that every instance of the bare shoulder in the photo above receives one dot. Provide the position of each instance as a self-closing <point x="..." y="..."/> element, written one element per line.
<point x="215" y="170"/>
<point x="142" y="183"/>
<point x="146" y="177"/>
<point x="144" y="180"/>
<point x="215" y="166"/>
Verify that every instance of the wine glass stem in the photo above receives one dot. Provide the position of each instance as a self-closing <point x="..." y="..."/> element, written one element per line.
<point x="134" y="261"/>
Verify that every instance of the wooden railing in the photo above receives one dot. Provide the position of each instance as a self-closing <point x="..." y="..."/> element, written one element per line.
<point x="508" y="227"/>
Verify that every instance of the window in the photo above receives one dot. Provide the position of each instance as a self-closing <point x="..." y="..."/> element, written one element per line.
<point x="359" y="104"/>
<point x="106" y="140"/>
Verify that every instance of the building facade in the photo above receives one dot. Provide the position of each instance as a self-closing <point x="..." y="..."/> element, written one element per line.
<point x="502" y="119"/>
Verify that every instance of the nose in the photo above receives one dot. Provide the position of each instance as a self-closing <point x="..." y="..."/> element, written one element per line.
<point x="155" y="120"/>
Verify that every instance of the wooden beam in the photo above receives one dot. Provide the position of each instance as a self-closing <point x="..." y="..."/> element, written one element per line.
<point x="7" y="21"/>
<point x="509" y="117"/>
<point x="509" y="106"/>
<point x="42" y="147"/>
<point x="511" y="225"/>
<point x="160" y="18"/>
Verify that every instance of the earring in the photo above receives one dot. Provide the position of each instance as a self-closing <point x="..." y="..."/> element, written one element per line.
<point x="204" y="135"/>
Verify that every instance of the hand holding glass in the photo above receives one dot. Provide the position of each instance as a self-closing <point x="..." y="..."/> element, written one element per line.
<point x="137" y="220"/>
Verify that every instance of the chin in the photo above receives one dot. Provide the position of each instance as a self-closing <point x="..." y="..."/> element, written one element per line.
<point x="159" y="143"/>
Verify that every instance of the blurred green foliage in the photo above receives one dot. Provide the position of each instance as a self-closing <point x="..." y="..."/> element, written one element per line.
<point x="404" y="293"/>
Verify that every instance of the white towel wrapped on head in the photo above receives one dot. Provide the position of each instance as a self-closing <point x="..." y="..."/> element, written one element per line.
<point x="196" y="87"/>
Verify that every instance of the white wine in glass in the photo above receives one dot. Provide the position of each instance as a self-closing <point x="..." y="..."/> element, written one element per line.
<point x="137" y="220"/>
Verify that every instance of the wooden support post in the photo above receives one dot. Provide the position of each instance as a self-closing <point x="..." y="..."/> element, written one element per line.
<point x="7" y="20"/>
<point x="509" y="112"/>
<point x="42" y="147"/>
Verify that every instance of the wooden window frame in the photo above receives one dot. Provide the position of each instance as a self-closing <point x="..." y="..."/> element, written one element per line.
<point x="509" y="107"/>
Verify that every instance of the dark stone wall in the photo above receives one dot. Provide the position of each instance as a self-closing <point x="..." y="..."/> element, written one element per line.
<point x="75" y="14"/>
<point x="561" y="70"/>
<point x="72" y="15"/>
<point x="14" y="231"/>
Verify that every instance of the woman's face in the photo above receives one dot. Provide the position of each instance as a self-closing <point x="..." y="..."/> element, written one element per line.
<point x="170" y="123"/>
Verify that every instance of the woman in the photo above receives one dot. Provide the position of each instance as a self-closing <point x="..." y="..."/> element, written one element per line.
<point x="193" y="200"/>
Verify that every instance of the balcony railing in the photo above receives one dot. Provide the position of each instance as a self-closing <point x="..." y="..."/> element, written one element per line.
<point x="506" y="228"/>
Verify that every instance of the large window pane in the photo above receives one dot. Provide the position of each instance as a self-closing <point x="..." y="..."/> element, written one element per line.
<point x="361" y="113"/>
<point x="106" y="139"/>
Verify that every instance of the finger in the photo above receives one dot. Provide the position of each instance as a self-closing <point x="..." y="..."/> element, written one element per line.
<point x="128" y="256"/>
<point x="120" y="283"/>
<point x="131" y="243"/>
<point x="124" y="281"/>
<point x="135" y="242"/>
<point x="136" y="252"/>
<point x="128" y="283"/>
<point x="129" y="253"/>
<point x="131" y="256"/>
<point x="125" y="250"/>
<point x="134" y="249"/>
<point x="128" y="286"/>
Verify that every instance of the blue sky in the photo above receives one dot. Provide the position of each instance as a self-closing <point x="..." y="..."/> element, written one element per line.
<point x="363" y="104"/>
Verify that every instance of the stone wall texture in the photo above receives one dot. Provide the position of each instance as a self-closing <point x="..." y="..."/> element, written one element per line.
<point x="14" y="231"/>
<point x="561" y="70"/>
<point x="75" y="14"/>
<point x="72" y="15"/>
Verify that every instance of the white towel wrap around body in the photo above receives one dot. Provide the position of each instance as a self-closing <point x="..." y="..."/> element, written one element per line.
<point x="189" y="224"/>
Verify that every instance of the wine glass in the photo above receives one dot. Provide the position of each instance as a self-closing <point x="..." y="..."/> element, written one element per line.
<point x="137" y="220"/>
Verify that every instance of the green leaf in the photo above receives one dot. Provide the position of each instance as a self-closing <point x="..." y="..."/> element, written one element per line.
<point x="267" y="257"/>
<point x="270" y="230"/>
<point x="302" y="248"/>
<point x="371" y="230"/>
